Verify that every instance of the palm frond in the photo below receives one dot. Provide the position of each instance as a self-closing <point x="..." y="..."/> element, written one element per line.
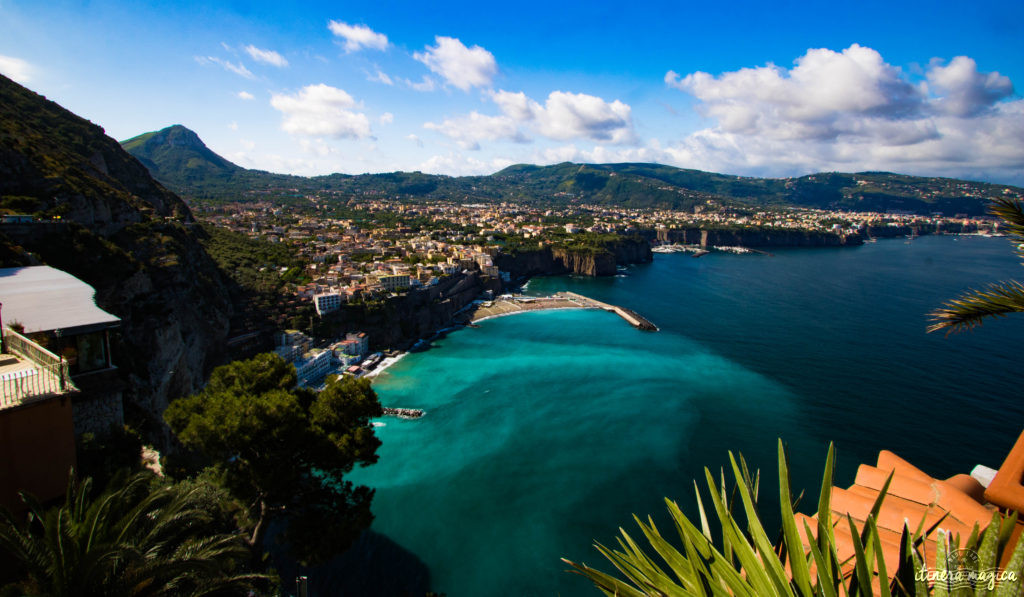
<point x="974" y="307"/>
<point x="1011" y="212"/>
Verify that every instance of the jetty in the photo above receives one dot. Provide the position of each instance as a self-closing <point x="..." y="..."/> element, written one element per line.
<point x="635" y="319"/>
<point x="403" y="413"/>
<point x="509" y="305"/>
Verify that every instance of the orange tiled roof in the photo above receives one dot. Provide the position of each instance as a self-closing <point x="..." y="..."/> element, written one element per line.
<point x="954" y="505"/>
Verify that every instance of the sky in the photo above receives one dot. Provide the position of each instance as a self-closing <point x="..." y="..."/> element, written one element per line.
<point x="774" y="89"/>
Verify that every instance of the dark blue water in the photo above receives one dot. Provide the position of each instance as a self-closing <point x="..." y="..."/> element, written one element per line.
<point x="546" y="431"/>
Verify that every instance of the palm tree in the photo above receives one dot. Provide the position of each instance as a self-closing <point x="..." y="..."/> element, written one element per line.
<point x="998" y="300"/>
<point x="139" y="538"/>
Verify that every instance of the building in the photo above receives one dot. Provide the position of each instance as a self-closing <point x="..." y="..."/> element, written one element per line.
<point x="326" y="303"/>
<point x="359" y="341"/>
<point x="394" y="282"/>
<point x="57" y="380"/>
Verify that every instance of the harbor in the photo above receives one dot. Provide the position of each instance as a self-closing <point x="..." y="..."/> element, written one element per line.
<point x="511" y="304"/>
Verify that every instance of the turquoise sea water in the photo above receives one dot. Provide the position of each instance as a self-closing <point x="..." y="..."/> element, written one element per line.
<point x="546" y="431"/>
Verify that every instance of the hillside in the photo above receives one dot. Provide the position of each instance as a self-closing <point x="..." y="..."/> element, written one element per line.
<point x="122" y="232"/>
<point x="180" y="160"/>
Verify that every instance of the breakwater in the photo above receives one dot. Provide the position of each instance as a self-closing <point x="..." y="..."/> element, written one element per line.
<point x="403" y="413"/>
<point x="635" y="319"/>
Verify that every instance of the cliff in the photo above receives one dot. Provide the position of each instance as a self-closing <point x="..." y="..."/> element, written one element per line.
<point x="124" y="234"/>
<point x="755" y="237"/>
<point x="399" y="321"/>
<point x="600" y="260"/>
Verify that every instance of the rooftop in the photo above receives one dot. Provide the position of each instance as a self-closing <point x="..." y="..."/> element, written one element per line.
<point x="42" y="298"/>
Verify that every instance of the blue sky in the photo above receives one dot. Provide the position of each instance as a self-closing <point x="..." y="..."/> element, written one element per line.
<point x="751" y="88"/>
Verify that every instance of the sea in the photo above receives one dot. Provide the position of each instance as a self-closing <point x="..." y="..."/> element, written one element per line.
<point x="546" y="432"/>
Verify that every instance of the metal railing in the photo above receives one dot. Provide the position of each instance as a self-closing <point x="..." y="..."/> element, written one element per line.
<point x="47" y="373"/>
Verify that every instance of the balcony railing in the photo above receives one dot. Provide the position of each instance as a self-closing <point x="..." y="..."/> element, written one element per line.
<point x="36" y="372"/>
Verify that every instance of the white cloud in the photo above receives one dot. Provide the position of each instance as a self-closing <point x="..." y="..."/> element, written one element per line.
<point x="266" y="56"/>
<point x="247" y="144"/>
<point x="459" y="165"/>
<point x="233" y="125"/>
<point x="469" y="130"/>
<point x="238" y="69"/>
<point x="380" y="77"/>
<point x="567" y="115"/>
<point x="358" y="37"/>
<point x="321" y="111"/>
<point x="460" y="66"/>
<point x="415" y="139"/>
<point x="245" y="95"/>
<point x="387" y="118"/>
<point x="851" y="110"/>
<point x="965" y="91"/>
<point x="16" y="69"/>
<point x="426" y="84"/>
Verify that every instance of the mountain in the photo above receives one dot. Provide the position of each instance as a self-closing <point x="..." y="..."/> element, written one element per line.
<point x="179" y="159"/>
<point x="123" y="233"/>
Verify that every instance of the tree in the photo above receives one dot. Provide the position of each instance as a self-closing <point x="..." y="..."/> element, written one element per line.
<point x="141" y="537"/>
<point x="999" y="300"/>
<point x="284" y="451"/>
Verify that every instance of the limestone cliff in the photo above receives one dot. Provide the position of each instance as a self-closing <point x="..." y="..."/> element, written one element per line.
<point x="590" y="261"/>
<point x="124" y="234"/>
<point x="754" y="237"/>
<point x="399" y="321"/>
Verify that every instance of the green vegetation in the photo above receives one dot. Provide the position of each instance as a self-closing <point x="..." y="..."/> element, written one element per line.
<point x="284" y="451"/>
<point x="999" y="300"/>
<point x="193" y="170"/>
<point x="141" y="537"/>
<point x="745" y="562"/>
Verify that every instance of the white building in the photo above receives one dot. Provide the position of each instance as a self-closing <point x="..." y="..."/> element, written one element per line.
<point x="327" y="302"/>
<point x="394" y="282"/>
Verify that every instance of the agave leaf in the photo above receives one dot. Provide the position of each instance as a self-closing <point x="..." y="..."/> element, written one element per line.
<point x="883" y="576"/>
<point x="861" y="584"/>
<point x="827" y="583"/>
<point x="772" y="565"/>
<point x="1014" y="588"/>
<point x="794" y="546"/>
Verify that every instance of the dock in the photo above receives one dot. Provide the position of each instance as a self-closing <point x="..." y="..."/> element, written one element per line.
<point x="560" y="300"/>
<point x="635" y="319"/>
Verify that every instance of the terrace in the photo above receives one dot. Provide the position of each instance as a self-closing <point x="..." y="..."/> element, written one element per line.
<point x="29" y="372"/>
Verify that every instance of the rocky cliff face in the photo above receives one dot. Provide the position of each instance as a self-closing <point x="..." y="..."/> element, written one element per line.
<point x="124" y="234"/>
<point x="399" y="321"/>
<point x="598" y="261"/>
<point x="755" y="237"/>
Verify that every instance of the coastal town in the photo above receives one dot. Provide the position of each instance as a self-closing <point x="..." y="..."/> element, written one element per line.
<point x="359" y="251"/>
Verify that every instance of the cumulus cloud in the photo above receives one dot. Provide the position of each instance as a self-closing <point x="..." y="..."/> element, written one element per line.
<point x="469" y="130"/>
<point x="238" y="69"/>
<point x="415" y="139"/>
<point x="266" y="56"/>
<point x="245" y="95"/>
<point x="425" y="84"/>
<point x="387" y="118"/>
<point x="321" y="111"/>
<point x="459" y="165"/>
<point x="963" y="90"/>
<point x="380" y="77"/>
<point x="16" y="69"/>
<point x="460" y="66"/>
<point x="851" y="110"/>
<point x="566" y="115"/>
<point x="358" y="37"/>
